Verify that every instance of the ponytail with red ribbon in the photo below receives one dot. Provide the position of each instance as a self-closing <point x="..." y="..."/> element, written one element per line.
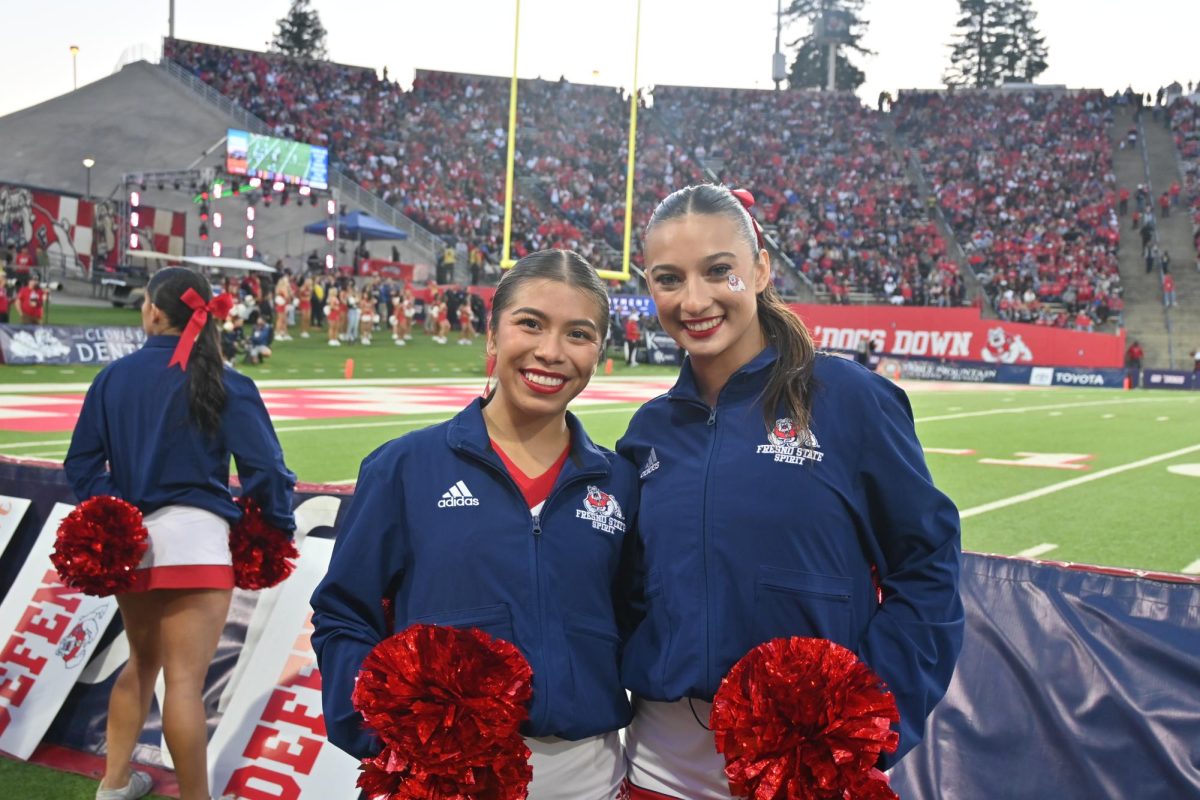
<point x="747" y="200"/>
<point x="219" y="307"/>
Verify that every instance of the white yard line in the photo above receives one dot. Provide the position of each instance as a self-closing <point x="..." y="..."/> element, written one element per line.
<point x="1024" y="409"/>
<point x="1058" y="487"/>
<point x="1038" y="550"/>
<point x="403" y="423"/>
<point x="1192" y="568"/>
<point x="48" y="443"/>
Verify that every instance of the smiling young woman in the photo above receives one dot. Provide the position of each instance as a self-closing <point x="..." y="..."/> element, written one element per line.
<point x="777" y="484"/>
<point x="507" y="519"/>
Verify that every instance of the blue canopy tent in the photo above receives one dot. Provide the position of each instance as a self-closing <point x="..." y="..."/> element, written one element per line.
<point x="358" y="226"/>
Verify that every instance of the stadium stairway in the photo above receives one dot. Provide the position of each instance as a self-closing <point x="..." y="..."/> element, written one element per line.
<point x="1174" y="235"/>
<point x="912" y="168"/>
<point x="1145" y="320"/>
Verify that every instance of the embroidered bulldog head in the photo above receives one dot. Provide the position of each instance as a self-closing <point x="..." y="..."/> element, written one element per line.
<point x="784" y="433"/>
<point x="601" y="502"/>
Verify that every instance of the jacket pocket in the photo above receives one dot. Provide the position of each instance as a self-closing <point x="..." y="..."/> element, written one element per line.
<point x="788" y="602"/>
<point x="648" y="650"/>
<point x="594" y="648"/>
<point x="493" y="620"/>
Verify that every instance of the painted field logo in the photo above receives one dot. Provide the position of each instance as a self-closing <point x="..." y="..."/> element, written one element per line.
<point x="602" y="510"/>
<point x="791" y="446"/>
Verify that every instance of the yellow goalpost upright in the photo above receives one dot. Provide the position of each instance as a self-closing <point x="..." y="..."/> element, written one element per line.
<point x="506" y="260"/>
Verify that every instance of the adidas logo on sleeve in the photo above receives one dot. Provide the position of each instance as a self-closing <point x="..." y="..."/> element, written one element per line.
<point x="458" y="495"/>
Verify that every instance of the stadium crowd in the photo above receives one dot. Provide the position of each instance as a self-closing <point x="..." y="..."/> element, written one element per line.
<point x="828" y="183"/>
<point x="1025" y="181"/>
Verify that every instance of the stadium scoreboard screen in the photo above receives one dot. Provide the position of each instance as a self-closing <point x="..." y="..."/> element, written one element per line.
<point x="273" y="159"/>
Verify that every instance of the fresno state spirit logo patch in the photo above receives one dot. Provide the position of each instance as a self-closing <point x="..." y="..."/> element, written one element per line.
<point x="790" y="445"/>
<point x="602" y="510"/>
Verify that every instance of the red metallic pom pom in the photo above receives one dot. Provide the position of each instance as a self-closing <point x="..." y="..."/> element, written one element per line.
<point x="804" y="719"/>
<point x="99" y="545"/>
<point x="262" y="554"/>
<point x="448" y="705"/>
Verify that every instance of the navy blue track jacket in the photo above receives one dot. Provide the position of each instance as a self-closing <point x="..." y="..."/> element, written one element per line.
<point x="753" y="532"/>
<point x="134" y="440"/>
<point x="438" y="526"/>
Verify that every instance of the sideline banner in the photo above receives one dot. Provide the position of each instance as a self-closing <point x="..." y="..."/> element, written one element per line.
<point x="57" y="344"/>
<point x="1170" y="379"/>
<point x="959" y="334"/>
<point x="1059" y="665"/>
<point x="49" y="632"/>
<point x="270" y="741"/>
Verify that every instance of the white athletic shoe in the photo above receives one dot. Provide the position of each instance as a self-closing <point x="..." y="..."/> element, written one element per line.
<point x="407" y="336"/>
<point x="334" y="343"/>
<point x="365" y="340"/>
<point x="304" y="334"/>
<point x="140" y="784"/>
<point x="400" y="343"/>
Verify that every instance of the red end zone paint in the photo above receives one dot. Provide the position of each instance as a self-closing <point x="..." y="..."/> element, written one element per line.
<point x="41" y="413"/>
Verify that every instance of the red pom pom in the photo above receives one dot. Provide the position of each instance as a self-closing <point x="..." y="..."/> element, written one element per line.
<point x="99" y="545"/>
<point x="448" y="705"/>
<point x="804" y="719"/>
<point x="262" y="555"/>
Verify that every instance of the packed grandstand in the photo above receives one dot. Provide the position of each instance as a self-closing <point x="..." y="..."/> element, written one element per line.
<point x="858" y="200"/>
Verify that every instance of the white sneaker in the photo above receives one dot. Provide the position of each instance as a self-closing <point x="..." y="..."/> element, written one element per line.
<point x="407" y="336"/>
<point x="400" y="343"/>
<point x="365" y="340"/>
<point x="140" y="784"/>
<point x="304" y="334"/>
<point x="334" y="343"/>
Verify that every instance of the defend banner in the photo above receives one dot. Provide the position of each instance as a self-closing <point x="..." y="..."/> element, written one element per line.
<point x="56" y="344"/>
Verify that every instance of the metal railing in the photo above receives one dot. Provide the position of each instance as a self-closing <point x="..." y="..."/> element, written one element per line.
<point x="347" y="190"/>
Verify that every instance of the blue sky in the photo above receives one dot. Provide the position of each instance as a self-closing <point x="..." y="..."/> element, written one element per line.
<point x="1099" y="43"/>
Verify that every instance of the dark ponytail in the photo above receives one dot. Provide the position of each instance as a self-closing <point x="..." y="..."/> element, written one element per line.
<point x="791" y="383"/>
<point x="206" y="369"/>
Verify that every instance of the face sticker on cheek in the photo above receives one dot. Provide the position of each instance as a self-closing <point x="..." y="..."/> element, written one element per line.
<point x="736" y="284"/>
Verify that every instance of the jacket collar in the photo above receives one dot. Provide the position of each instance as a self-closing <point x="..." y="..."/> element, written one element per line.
<point x="747" y="381"/>
<point x="162" y="340"/>
<point x="467" y="433"/>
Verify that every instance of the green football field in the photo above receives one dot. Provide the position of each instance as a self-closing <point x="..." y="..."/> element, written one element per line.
<point x="1083" y="475"/>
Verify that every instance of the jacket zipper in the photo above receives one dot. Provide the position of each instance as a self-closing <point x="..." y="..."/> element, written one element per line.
<point x="536" y="530"/>
<point x="708" y="638"/>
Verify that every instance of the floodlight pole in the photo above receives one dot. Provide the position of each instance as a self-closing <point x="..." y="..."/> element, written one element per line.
<point x="171" y="19"/>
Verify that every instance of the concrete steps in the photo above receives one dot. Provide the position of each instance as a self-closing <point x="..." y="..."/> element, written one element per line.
<point x="1174" y="235"/>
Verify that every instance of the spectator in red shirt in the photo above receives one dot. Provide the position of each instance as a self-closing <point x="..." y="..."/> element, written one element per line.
<point x="1168" y="285"/>
<point x="3" y="296"/>
<point x="1133" y="363"/>
<point x="633" y="337"/>
<point x="32" y="302"/>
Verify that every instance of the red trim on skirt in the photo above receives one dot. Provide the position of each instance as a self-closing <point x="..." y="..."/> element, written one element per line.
<point x="638" y="793"/>
<point x="187" y="576"/>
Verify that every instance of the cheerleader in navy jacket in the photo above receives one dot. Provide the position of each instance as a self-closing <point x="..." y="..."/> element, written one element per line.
<point x="775" y="485"/>
<point x="157" y="429"/>
<point x="508" y="519"/>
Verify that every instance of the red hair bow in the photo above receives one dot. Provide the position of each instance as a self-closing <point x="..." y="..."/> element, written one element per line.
<point x="219" y="307"/>
<point x="747" y="200"/>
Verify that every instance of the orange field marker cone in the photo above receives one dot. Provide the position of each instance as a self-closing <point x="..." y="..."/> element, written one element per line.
<point x="1128" y="383"/>
<point x="608" y="367"/>
<point x="349" y="371"/>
